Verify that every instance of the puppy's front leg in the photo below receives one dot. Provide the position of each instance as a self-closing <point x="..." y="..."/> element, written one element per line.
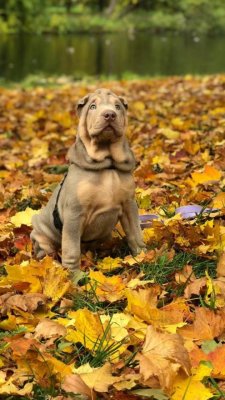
<point x="71" y="239"/>
<point x="131" y="226"/>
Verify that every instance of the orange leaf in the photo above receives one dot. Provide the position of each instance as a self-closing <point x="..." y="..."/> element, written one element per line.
<point x="209" y="174"/>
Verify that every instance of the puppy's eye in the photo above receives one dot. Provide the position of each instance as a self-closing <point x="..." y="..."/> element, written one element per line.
<point x="117" y="106"/>
<point x="92" y="106"/>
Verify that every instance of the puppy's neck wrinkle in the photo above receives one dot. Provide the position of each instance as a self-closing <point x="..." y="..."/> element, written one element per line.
<point x="78" y="155"/>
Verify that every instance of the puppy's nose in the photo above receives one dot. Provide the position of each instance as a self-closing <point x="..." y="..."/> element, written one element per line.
<point x="109" y="115"/>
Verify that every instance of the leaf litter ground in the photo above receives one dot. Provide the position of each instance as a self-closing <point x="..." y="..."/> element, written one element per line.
<point x="152" y="326"/>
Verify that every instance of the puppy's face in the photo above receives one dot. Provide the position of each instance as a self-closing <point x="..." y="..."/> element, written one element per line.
<point x="103" y="115"/>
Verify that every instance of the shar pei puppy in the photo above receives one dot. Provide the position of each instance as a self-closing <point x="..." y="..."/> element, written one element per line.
<point x="98" y="190"/>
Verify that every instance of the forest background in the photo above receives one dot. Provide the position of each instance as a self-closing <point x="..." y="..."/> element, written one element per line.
<point x="68" y="16"/>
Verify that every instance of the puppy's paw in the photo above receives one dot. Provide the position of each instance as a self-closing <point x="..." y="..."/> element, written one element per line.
<point x="138" y="247"/>
<point x="138" y="250"/>
<point x="41" y="254"/>
<point x="76" y="276"/>
<point x="142" y="245"/>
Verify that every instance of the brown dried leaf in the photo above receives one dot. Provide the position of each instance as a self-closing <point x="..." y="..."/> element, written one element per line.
<point x="207" y="325"/>
<point x="21" y="345"/>
<point x="74" y="384"/>
<point x="47" y="329"/>
<point x="194" y="287"/>
<point x="27" y="302"/>
<point x="162" y="356"/>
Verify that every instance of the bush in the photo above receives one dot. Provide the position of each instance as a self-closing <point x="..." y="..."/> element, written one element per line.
<point x="195" y="16"/>
<point x="3" y="26"/>
<point x="161" y="21"/>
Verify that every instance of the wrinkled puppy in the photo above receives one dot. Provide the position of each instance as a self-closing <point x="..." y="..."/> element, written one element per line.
<point x="98" y="190"/>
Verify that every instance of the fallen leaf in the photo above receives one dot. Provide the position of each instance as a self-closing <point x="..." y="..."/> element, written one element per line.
<point x="23" y="217"/>
<point x="219" y="200"/>
<point x="74" y="384"/>
<point x="26" y="302"/>
<point x="207" y="325"/>
<point x="192" y="388"/>
<point x="162" y="356"/>
<point x="98" y="379"/>
<point x="109" y="264"/>
<point x="106" y="288"/>
<point x="209" y="174"/>
<point x="88" y="329"/>
<point x="48" y="329"/>
<point x="21" y="345"/>
<point x="118" y="323"/>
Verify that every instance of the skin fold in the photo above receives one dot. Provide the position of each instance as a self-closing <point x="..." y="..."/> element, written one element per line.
<point x="98" y="190"/>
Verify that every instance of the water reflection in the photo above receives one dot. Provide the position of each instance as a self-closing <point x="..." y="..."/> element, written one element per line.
<point x="110" y="54"/>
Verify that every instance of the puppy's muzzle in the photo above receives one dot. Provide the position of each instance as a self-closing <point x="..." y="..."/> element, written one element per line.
<point x="109" y="115"/>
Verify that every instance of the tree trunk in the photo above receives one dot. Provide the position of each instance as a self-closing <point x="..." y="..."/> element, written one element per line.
<point x="101" y="5"/>
<point x="68" y="4"/>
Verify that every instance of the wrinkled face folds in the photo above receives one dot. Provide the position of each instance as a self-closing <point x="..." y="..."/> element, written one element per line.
<point x="104" y="115"/>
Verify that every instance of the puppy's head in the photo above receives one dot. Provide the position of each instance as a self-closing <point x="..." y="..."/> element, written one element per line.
<point x="102" y="116"/>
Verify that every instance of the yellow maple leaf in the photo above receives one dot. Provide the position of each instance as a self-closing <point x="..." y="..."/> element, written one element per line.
<point x="88" y="329"/>
<point x="169" y="133"/>
<point x="55" y="281"/>
<point x="45" y="276"/>
<point x="106" y="288"/>
<point x="24" y="272"/>
<point x="23" y="217"/>
<point x="109" y="264"/>
<point x="58" y="366"/>
<point x="191" y="388"/>
<point x="118" y="323"/>
<point x="142" y="304"/>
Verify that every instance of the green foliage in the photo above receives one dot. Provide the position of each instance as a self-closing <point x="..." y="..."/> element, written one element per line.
<point x="103" y="350"/>
<point x="89" y="300"/>
<point x="67" y="16"/>
<point x="163" y="269"/>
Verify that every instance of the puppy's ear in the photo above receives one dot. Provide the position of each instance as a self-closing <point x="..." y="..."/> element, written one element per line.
<point x="124" y="102"/>
<point x="81" y="103"/>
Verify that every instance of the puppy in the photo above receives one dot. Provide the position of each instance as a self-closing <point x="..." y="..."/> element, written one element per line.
<point x="98" y="190"/>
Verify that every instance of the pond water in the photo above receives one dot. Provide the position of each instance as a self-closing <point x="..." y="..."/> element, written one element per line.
<point x="81" y="55"/>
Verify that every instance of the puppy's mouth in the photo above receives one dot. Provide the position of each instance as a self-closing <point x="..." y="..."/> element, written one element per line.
<point x="106" y="133"/>
<point x="108" y="130"/>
